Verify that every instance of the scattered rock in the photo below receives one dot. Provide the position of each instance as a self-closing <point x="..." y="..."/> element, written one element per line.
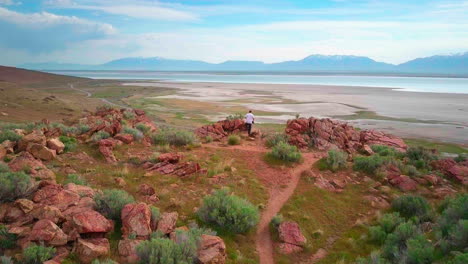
<point x="136" y="219"/>
<point x="48" y="232"/>
<point x="105" y="147"/>
<point x="290" y="233"/>
<point x="146" y="189"/>
<point x="91" y="222"/>
<point x="170" y="157"/>
<point x="34" y="167"/>
<point x="36" y="137"/>
<point x="212" y="250"/>
<point x="127" y="250"/>
<point x="55" y="144"/>
<point x="221" y="129"/>
<point x="55" y="195"/>
<point x="167" y="222"/>
<point x="120" y="181"/>
<point x="125" y="138"/>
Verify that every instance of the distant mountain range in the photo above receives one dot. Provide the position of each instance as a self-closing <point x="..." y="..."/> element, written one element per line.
<point x="451" y="64"/>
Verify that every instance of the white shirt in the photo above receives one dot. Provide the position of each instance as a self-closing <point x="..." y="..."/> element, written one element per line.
<point x="249" y="118"/>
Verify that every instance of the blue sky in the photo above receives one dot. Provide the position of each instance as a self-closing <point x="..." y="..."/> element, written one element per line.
<point x="96" y="31"/>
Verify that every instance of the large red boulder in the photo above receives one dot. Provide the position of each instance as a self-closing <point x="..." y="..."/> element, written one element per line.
<point x="48" y="232"/>
<point x="88" y="250"/>
<point x="374" y="137"/>
<point x="290" y="233"/>
<point x="91" y="222"/>
<point x="212" y="250"/>
<point x="136" y="219"/>
<point x="452" y="169"/>
<point x="41" y="152"/>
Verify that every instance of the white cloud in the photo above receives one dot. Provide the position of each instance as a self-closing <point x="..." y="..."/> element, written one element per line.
<point x="44" y="32"/>
<point x="136" y="9"/>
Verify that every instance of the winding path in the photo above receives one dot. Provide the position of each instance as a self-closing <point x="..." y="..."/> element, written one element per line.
<point x="281" y="183"/>
<point x="88" y="94"/>
<point x="278" y="197"/>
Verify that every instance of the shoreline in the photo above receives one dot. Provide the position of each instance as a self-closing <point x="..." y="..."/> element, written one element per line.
<point x="403" y="113"/>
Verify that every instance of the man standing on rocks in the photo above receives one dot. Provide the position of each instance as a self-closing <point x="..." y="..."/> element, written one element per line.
<point x="249" y="121"/>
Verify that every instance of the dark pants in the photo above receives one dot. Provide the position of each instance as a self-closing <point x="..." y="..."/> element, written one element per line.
<point x="249" y="127"/>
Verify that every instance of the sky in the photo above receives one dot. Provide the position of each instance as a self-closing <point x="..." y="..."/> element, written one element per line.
<point x="97" y="31"/>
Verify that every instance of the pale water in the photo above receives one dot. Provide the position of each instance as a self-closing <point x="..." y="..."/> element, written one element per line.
<point x="415" y="84"/>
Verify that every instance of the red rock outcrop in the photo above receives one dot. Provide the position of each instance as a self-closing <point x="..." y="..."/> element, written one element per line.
<point x="221" y="129"/>
<point x="181" y="169"/>
<point x="41" y="152"/>
<point x="91" y="222"/>
<point x="125" y="138"/>
<point x="170" y="157"/>
<point x="291" y="237"/>
<point x="54" y="194"/>
<point x="105" y="147"/>
<point x="35" y="167"/>
<point x="36" y="137"/>
<point x="55" y="144"/>
<point x="452" y="169"/>
<point x="326" y="133"/>
<point x="48" y="232"/>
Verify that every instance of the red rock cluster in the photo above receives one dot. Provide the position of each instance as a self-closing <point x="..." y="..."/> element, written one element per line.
<point x="221" y="129"/>
<point x="165" y="167"/>
<point x="326" y="133"/>
<point x="452" y="169"/>
<point x="59" y="216"/>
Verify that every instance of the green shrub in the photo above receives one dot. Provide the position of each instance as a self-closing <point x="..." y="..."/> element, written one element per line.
<point x="377" y="235"/>
<point x="69" y="142"/>
<point x="4" y="168"/>
<point x="285" y="152"/>
<point x="228" y="212"/>
<point x="276" y="220"/>
<point x="76" y="179"/>
<point x="395" y="244"/>
<point x="273" y="140"/>
<point x="111" y="201"/>
<point x="163" y="251"/>
<point x="419" y="251"/>
<point x="235" y="116"/>
<point x="457" y="239"/>
<point x="9" y="135"/>
<point x="460" y="259"/>
<point x="234" y="140"/>
<point x="369" y="164"/>
<point x="36" y="254"/>
<point x="7" y="240"/>
<point x="388" y="222"/>
<point x="143" y="128"/>
<point x="420" y="157"/>
<point x="174" y="137"/>
<point x="100" y="135"/>
<point x="452" y="210"/>
<point x="155" y="214"/>
<point x="14" y="185"/>
<point x="81" y="129"/>
<point x="461" y="157"/>
<point x="137" y="134"/>
<point x="412" y="206"/>
<point x="208" y="139"/>
<point x="128" y="114"/>
<point x="336" y="160"/>
<point x="386" y="151"/>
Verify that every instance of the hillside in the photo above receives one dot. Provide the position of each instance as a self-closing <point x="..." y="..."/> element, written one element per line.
<point x="22" y="76"/>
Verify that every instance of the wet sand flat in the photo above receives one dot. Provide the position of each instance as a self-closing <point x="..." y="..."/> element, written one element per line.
<point x="445" y="115"/>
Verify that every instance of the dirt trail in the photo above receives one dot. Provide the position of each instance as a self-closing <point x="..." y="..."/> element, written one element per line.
<point x="281" y="183"/>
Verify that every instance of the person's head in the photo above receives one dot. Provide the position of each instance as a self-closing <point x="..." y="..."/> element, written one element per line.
<point x="250" y="111"/>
